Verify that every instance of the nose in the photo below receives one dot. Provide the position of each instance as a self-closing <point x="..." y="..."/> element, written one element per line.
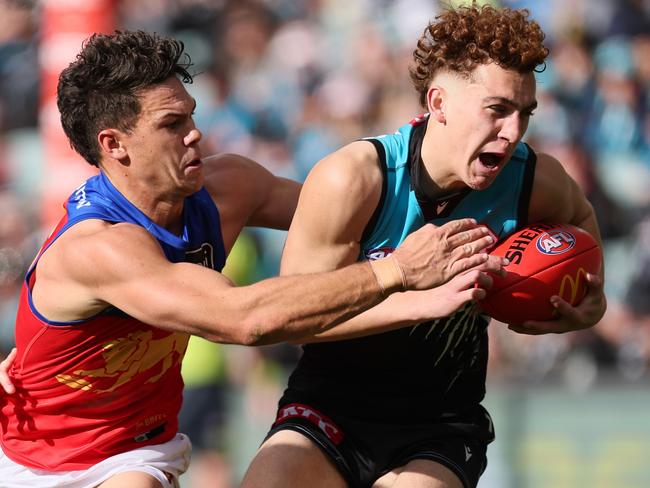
<point x="513" y="128"/>
<point x="193" y="137"/>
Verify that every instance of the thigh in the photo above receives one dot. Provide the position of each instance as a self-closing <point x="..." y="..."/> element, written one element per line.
<point x="288" y="458"/>
<point x="420" y="473"/>
<point x="450" y="463"/>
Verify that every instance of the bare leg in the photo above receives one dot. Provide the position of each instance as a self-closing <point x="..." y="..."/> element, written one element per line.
<point x="291" y="459"/>
<point x="208" y="469"/>
<point x="420" y="473"/>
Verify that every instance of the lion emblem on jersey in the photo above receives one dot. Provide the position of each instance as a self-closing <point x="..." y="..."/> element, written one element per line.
<point x="129" y="356"/>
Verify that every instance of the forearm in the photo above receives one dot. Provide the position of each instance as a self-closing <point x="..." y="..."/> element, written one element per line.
<point x="393" y="313"/>
<point x="414" y="307"/>
<point x="291" y="307"/>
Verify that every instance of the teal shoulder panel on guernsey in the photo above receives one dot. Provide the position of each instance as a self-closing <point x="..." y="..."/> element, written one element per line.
<point x="398" y="214"/>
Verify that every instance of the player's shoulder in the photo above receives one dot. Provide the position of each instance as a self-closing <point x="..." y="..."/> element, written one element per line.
<point x="93" y="248"/>
<point x="232" y="177"/>
<point x="551" y="177"/>
<point x="222" y="168"/>
<point x="553" y="189"/>
<point x="98" y="239"/>
<point x="548" y="166"/>
<point x="352" y="168"/>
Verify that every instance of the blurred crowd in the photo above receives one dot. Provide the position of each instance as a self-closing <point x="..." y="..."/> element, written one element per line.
<point x="285" y="82"/>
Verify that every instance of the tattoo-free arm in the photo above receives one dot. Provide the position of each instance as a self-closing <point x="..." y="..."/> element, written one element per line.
<point x="556" y="198"/>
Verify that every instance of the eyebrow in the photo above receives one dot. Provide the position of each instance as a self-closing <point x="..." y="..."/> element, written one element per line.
<point x="176" y="113"/>
<point x="512" y="103"/>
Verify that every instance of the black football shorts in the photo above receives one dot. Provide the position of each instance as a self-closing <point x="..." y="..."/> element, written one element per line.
<point x="364" y="451"/>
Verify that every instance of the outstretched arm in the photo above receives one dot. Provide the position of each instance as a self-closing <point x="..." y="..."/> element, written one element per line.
<point x="556" y="198"/>
<point x="411" y="307"/>
<point x="95" y="264"/>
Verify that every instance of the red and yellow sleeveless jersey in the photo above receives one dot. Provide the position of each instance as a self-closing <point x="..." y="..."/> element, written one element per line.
<point x="90" y="389"/>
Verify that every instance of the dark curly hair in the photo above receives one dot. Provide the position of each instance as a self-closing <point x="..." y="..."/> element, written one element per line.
<point x="460" y="39"/>
<point x="100" y="88"/>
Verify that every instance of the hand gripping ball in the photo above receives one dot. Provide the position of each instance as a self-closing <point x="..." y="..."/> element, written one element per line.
<point x="545" y="260"/>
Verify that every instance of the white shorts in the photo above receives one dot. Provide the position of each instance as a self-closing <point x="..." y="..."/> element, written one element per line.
<point x="165" y="462"/>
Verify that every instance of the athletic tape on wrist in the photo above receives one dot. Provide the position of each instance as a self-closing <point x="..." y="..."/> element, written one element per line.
<point x="389" y="275"/>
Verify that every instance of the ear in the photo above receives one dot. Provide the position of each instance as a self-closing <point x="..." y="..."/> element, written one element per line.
<point x="436" y="103"/>
<point x="110" y="143"/>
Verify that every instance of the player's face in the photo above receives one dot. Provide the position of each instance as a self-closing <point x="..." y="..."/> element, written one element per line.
<point x="163" y="146"/>
<point x="486" y="119"/>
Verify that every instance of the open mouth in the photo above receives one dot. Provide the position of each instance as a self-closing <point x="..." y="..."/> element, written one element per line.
<point x="490" y="160"/>
<point x="193" y="167"/>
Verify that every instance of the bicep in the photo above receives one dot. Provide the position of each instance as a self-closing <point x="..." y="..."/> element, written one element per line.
<point x="277" y="199"/>
<point x="556" y="197"/>
<point x="148" y="287"/>
<point x="336" y="203"/>
<point x="248" y="194"/>
<point x="125" y="267"/>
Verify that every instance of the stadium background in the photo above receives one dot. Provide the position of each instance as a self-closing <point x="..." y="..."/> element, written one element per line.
<point x="287" y="81"/>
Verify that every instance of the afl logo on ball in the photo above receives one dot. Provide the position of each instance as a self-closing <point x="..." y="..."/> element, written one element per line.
<point x="380" y="252"/>
<point x="556" y="241"/>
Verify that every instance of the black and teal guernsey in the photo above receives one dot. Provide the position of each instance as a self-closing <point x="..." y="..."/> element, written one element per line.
<point x="434" y="371"/>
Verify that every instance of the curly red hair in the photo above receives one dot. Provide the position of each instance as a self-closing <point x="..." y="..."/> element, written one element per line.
<point x="460" y="39"/>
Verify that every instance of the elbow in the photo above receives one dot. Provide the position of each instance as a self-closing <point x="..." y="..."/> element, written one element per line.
<point x="260" y="330"/>
<point x="256" y="331"/>
<point x="244" y="335"/>
<point x="252" y="336"/>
